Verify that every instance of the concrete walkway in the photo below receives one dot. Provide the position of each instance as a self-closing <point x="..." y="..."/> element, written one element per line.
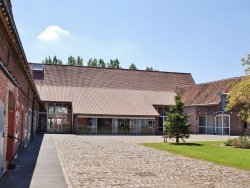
<point x="37" y="166"/>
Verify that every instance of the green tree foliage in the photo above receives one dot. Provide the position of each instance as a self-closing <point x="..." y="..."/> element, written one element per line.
<point x="71" y="60"/>
<point x="79" y="61"/>
<point x="150" y="69"/>
<point x="113" y="64"/>
<point x="240" y="96"/>
<point x="176" y="125"/>
<point x="57" y="61"/>
<point x="246" y="62"/>
<point x="92" y="62"/>
<point x="133" y="66"/>
<point x="101" y="63"/>
<point x="240" y="93"/>
<point x="53" y="60"/>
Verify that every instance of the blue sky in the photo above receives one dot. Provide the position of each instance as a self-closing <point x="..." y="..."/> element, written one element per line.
<point x="206" y="38"/>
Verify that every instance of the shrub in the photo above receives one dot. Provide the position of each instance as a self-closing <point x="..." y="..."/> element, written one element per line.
<point x="242" y="142"/>
<point x="229" y="142"/>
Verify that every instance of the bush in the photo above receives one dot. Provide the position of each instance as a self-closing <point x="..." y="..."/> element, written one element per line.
<point x="229" y="142"/>
<point x="242" y="142"/>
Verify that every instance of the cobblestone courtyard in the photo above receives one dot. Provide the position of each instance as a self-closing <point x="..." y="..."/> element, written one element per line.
<point x="119" y="161"/>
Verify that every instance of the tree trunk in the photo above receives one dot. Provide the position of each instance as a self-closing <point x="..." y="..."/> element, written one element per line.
<point x="177" y="138"/>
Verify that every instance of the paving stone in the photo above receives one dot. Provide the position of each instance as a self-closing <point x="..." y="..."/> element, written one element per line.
<point x="119" y="161"/>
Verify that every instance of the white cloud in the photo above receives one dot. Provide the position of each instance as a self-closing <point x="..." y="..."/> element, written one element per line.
<point x="52" y="33"/>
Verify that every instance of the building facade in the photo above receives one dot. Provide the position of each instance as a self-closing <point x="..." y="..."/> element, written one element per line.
<point x="206" y="103"/>
<point x="92" y="100"/>
<point x="19" y="99"/>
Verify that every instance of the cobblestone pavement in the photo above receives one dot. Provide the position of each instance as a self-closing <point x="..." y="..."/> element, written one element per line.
<point x="119" y="161"/>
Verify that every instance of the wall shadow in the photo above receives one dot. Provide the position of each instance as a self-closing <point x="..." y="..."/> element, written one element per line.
<point x="25" y="165"/>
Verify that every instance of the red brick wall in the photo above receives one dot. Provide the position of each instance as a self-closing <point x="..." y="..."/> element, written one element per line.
<point x="23" y="94"/>
<point x="236" y="124"/>
<point x="4" y="98"/>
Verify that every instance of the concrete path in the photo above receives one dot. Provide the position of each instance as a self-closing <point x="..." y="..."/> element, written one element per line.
<point x="37" y="166"/>
<point x="48" y="171"/>
<point x="119" y="161"/>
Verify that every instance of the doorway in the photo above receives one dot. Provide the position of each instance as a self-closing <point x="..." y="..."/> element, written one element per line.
<point x="222" y="126"/>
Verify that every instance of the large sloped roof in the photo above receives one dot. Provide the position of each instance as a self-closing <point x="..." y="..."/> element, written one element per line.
<point x="206" y="93"/>
<point x="104" y="91"/>
<point x="102" y="101"/>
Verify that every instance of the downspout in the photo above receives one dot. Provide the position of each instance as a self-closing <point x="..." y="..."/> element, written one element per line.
<point x="32" y="119"/>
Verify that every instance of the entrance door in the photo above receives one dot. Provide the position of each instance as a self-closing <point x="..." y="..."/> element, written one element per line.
<point x="223" y="124"/>
<point x="1" y="134"/>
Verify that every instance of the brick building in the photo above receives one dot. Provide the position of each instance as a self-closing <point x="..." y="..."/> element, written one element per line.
<point x="88" y="100"/>
<point x="206" y="103"/>
<point x="92" y="100"/>
<point x="19" y="100"/>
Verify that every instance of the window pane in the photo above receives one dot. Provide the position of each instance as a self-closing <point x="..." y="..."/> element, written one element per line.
<point x="166" y="109"/>
<point x="51" y="108"/>
<point x="226" y="131"/>
<point x="202" y="130"/>
<point x="160" y="111"/>
<point x="226" y="121"/>
<point x="66" y="108"/>
<point x="219" y="121"/>
<point x="123" y="126"/>
<point x="210" y="130"/>
<point x="202" y="121"/>
<point x="104" y="126"/>
<point x="219" y="131"/>
<point x="210" y="121"/>
<point x="59" y="108"/>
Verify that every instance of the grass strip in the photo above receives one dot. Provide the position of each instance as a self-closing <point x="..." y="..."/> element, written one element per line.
<point x="212" y="151"/>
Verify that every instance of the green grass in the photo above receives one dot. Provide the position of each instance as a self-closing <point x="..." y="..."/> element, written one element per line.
<point x="215" y="152"/>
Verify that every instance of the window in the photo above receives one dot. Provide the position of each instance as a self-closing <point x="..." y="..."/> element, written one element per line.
<point x="151" y="124"/>
<point x="223" y="102"/>
<point x="59" y="117"/>
<point x="206" y="124"/>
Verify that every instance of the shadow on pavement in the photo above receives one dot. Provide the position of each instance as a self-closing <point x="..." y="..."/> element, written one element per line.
<point x="25" y="165"/>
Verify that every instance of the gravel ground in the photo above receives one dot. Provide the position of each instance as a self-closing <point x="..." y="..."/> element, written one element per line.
<point x="119" y="161"/>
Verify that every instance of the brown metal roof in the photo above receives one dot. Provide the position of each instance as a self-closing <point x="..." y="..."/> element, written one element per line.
<point x="64" y="75"/>
<point x="206" y="93"/>
<point x="100" y="101"/>
<point x="104" y="91"/>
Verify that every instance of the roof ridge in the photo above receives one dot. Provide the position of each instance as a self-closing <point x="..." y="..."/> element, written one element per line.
<point x="212" y="82"/>
<point x="118" y="69"/>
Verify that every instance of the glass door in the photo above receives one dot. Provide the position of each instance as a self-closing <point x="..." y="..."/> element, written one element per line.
<point x="223" y="124"/>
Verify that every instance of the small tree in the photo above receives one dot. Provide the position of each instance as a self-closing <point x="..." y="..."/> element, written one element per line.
<point x="71" y="60"/>
<point x="79" y="61"/>
<point x="176" y="125"/>
<point x="133" y="66"/>
<point x="114" y="64"/>
<point x="240" y="93"/>
<point x="101" y="63"/>
<point x="150" y="69"/>
<point x="92" y="62"/>
<point x="55" y="60"/>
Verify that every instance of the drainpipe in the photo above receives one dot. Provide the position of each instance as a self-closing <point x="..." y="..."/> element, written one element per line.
<point x="32" y="119"/>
